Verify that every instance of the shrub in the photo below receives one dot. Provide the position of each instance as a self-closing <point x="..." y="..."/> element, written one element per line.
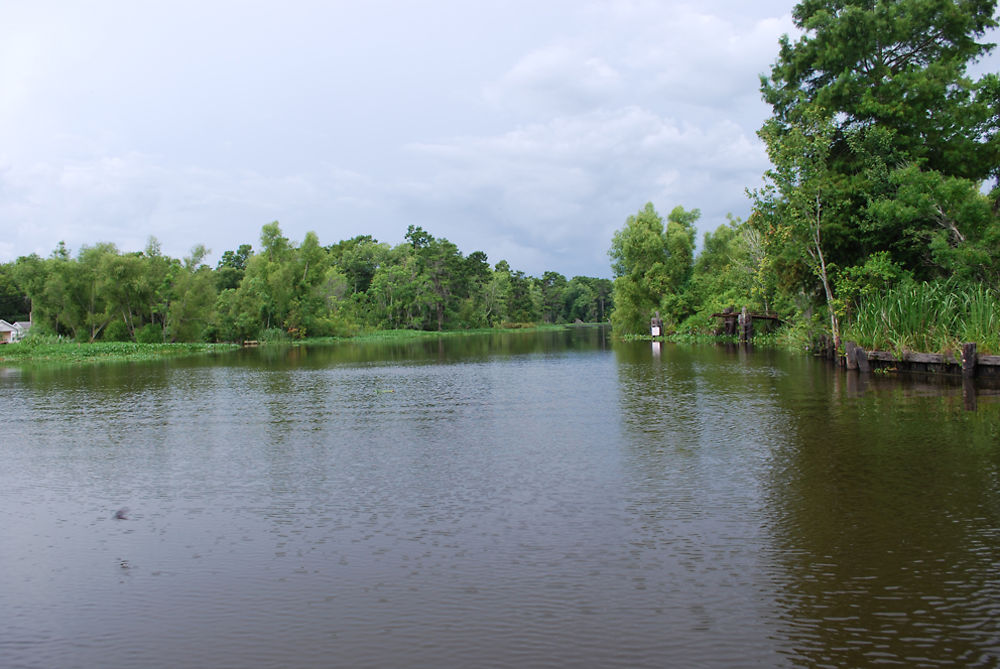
<point x="150" y="333"/>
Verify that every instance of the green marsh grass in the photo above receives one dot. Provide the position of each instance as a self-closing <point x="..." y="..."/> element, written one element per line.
<point x="929" y="318"/>
<point x="50" y="349"/>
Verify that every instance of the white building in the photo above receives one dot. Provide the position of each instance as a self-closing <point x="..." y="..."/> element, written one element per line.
<point x="12" y="332"/>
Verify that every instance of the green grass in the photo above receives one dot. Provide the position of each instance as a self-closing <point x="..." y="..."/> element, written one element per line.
<point x="42" y="349"/>
<point x="50" y="349"/>
<point x="929" y="318"/>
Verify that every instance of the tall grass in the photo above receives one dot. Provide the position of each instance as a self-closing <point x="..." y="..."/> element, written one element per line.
<point x="928" y="317"/>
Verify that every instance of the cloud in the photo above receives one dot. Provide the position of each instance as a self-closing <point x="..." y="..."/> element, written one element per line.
<point x="566" y="184"/>
<point x="126" y="198"/>
<point x="531" y="140"/>
<point x="555" y="78"/>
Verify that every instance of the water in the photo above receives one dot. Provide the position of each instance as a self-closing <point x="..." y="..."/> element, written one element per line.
<point x="536" y="500"/>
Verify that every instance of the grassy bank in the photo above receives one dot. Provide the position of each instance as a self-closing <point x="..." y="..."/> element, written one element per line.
<point x="54" y="350"/>
<point x="48" y="349"/>
<point x="928" y="318"/>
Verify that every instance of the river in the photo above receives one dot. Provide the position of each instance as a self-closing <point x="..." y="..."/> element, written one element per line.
<point x="548" y="499"/>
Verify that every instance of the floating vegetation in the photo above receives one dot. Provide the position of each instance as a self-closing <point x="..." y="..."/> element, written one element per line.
<point x="50" y="349"/>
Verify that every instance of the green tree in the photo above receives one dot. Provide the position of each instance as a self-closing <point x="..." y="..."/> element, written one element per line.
<point x="553" y="287"/>
<point x="13" y="299"/>
<point x="891" y="77"/>
<point x="231" y="268"/>
<point x="799" y="195"/>
<point x="723" y="276"/>
<point x="192" y="299"/>
<point x="639" y="254"/>
<point x="359" y="258"/>
<point x="679" y="264"/>
<point x="587" y="299"/>
<point x="122" y="281"/>
<point x="895" y="68"/>
<point x="497" y="295"/>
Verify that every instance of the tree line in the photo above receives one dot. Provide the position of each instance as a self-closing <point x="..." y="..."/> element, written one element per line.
<point x="286" y="289"/>
<point x="885" y="158"/>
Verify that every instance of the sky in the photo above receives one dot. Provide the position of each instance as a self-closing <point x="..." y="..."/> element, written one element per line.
<point x="528" y="130"/>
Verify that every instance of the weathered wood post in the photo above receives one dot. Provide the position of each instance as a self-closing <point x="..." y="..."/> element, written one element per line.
<point x="861" y="356"/>
<point x="851" y="355"/>
<point x="745" y="326"/>
<point x="729" y="322"/>
<point x="969" y="360"/>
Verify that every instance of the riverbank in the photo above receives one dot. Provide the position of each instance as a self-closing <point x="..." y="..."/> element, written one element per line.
<point x="51" y="350"/>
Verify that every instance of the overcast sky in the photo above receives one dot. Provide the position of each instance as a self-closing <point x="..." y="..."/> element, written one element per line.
<point x="528" y="130"/>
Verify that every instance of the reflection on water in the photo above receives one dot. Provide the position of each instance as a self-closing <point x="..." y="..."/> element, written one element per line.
<point x="534" y="499"/>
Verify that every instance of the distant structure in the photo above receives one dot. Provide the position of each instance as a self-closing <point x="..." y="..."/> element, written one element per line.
<point x="656" y="325"/>
<point x="13" y="332"/>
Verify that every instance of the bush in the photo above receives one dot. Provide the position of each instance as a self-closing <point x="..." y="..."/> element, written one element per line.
<point x="116" y="331"/>
<point x="150" y="333"/>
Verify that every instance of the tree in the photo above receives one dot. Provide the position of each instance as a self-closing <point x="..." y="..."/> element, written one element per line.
<point x="680" y="261"/>
<point x="724" y="275"/>
<point x="895" y="67"/>
<point x="122" y="277"/>
<point x="587" y="299"/>
<point x="795" y="199"/>
<point x="639" y="254"/>
<point x="236" y="259"/>
<point x="497" y="295"/>
<point x="192" y="299"/>
<point x="232" y="267"/>
<point x="891" y="77"/>
<point x="358" y="258"/>
<point x="553" y="286"/>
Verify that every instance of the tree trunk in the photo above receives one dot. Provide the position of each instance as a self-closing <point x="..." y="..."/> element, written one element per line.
<point x="834" y="323"/>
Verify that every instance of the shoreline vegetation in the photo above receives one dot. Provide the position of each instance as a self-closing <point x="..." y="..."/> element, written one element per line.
<point x="48" y="349"/>
<point x="878" y="223"/>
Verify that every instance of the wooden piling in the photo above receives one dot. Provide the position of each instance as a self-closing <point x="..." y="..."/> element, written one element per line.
<point x="969" y="360"/>
<point x="745" y="322"/>
<point x="851" y="355"/>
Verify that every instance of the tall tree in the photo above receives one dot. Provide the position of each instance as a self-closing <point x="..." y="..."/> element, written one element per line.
<point x="896" y="67"/>
<point x="796" y="198"/>
<point x="639" y="255"/>
<point x="891" y="76"/>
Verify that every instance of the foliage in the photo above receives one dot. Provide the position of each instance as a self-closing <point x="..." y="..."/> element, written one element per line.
<point x="930" y="317"/>
<point x="37" y="349"/>
<point x="287" y="291"/>
<point x="640" y="257"/>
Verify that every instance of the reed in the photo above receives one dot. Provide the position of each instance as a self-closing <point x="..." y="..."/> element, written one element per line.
<point x="928" y="317"/>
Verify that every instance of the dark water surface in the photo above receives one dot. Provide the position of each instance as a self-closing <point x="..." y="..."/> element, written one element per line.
<point x="536" y="500"/>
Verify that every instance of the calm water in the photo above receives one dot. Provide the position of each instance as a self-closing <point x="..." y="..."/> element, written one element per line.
<point x="535" y="500"/>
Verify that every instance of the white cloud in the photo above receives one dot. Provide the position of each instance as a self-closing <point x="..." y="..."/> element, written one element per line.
<point x="566" y="184"/>
<point x="555" y="78"/>
<point x="125" y="199"/>
<point x="529" y="138"/>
